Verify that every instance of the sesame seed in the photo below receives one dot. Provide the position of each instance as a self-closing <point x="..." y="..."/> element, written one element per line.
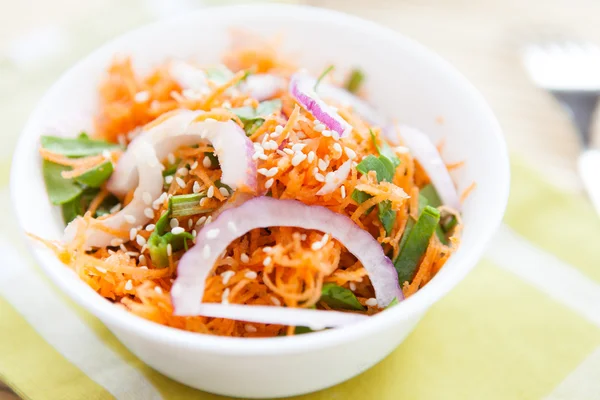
<point x="249" y="328"/>
<point x="148" y="212"/>
<point x="319" y="127"/>
<point x="225" y="296"/>
<point x="100" y="269"/>
<point x="326" y="133"/>
<point x="190" y="223"/>
<point x="180" y="182"/>
<point x="142" y="259"/>
<point x="132" y="233"/>
<point x="200" y="221"/>
<point x="140" y="240"/>
<point x="206" y="252"/>
<point x="298" y="146"/>
<point x="350" y="153"/>
<point x="206" y="162"/>
<point x="226" y="276"/>
<point x="244" y="258"/>
<point x="231" y="226"/>
<point x="144" y="248"/>
<point x="150" y="227"/>
<point x="267" y="249"/>
<point x="279" y="129"/>
<point x="130" y="219"/>
<point x="177" y="230"/>
<point x="183" y="171"/>
<point x="129" y="285"/>
<point x="194" y="165"/>
<point x="132" y="253"/>
<point x="322" y="164"/>
<point x="311" y="156"/>
<point x="270" y="145"/>
<point x="250" y="275"/>
<point x="319" y="177"/>
<point x="303" y="236"/>
<point x="269" y="183"/>
<point x="316" y="245"/>
<point x="275" y="301"/>
<point x="288" y="151"/>
<point x="142" y="97"/>
<point x="263" y="157"/>
<point x="337" y="147"/>
<point x="194" y="233"/>
<point x="158" y="289"/>
<point x="116" y="208"/>
<point x="213" y="233"/>
<point x="208" y="219"/>
<point x="116" y="242"/>
<point x="224" y="192"/>
<point x="268" y="172"/>
<point x="173" y="222"/>
<point x="202" y="201"/>
<point x="169" y="179"/>
<point x="169" y="250"/>
<point x="123" y="248"/>
<point x="343" y="191"/>
<point x="281" y="153"/>
<point x="171" y="158"/>
<point x="352" y="286"/>
<point x="372" y="302"/>
<point x="256" y="155"/>
<point x="210" y="192"/>
<point x="267" y="261"/>
<point x="196" y="187"/>
<point x="298" y="158"/>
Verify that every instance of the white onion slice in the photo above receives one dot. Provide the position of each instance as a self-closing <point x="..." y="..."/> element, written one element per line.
<point x="302" y="89"/>
<point x="314" y="319"/>
<point x="359" y="106"/>
<point x="233" y="149"/>
<point x="263" y="86"/>
<point x="425" y="152"/>
<point x="150" y="184"/>
<point x="188" y="76"/>
<point x="339" y="176"/>
<point x="261" y="212"/>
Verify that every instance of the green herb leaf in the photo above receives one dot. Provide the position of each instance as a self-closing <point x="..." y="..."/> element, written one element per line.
<point x="252" y="126"/>
<point x="416" y="244"/>
<point x="372" y="163"/>
<point x="323" y="75"/>
<point x="72" y="209"/>
<point x="354" y="81"/>
<point x="387" y="216"/>
<point x="253" y="118"/>
<point x="219" y="74"/>
<point x="60" y="190"/>
<point x="96" y="176"/>
<point x="360" y="197"/>
<point x="386" y="153"/>
<point x="338" y="297"/>
<point x="81" y="146"/>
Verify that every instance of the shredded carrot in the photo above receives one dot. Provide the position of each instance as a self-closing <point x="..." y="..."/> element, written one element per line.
<point x="467" y="192"/>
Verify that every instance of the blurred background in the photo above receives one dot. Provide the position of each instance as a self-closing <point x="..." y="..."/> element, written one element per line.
<point x="40" y="39"/>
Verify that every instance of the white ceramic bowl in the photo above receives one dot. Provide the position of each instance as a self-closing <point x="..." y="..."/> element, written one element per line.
<point x="404" y="80"/>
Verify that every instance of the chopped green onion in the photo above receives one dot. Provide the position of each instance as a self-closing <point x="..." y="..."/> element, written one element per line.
<point x="171" y="169"/>
<point x="429" y="192"/>
<point x="354" y="81"/>
<point x="338" y="297"/>
<point x="424" y="195"/>
<point x="449" y="223"/>
<point x="300" y="330"/>
<point x="81" y="146"/>
<point x="60" y="190"/>
<point x="97" y="175"/>
<point x="323" y="74"/>
<point x="159" y="241"/>
<point x="416" y="244"/>
<point x="187" y="204"/>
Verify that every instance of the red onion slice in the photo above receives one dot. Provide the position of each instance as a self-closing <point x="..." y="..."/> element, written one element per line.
<point x="314" y="319"/>
<point x="339" y="176"/>
<point x="263" y="86"/>
<point x="261" y="212"/>
<point x="424" y="151"/>
<point x="233" y="149"/>
<point x="302" y="89"/>
<point x="134" y="214"/>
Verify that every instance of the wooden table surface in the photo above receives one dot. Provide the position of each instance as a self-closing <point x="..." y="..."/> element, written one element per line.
<point x="481" y="38"/>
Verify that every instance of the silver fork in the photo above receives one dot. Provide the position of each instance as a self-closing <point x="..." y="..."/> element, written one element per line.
<point x="570" y="71"/>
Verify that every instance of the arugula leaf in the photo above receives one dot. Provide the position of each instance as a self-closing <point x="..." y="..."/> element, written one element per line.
<point x="97" y="175"/>
<point x="81" y="146"/>
<point x="416" y="244"/>
<point x="372" y="163"/>
<point x="338" y="297"/>
<point x="385" y="152"/>
<point x="323" y="74"/>
<point x="60" y="190"/>
<point x="354" y="80"/>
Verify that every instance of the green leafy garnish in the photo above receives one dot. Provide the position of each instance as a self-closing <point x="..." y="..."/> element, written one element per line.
<point x="160" y="239"/>
<point x="219" y="74"/>
<point x="354" y="80"/>
<point x="323" y="75"/>
<point x="416" y="244"/>
<point x="253" y="118"/>
<point x="81" y="146"/>
<point x="171" y="169"/>
<point x="428" y="196"/>
<point x="60" y="190"/>
<point x="372" y="163"/>
<point x="97" y="175"/>
<point x="387" y="216"/>
<point x="385" y="152"/>
<point x="429" y="192"/>
<point x="338" y="297"/>
<point x="301" y="330"/>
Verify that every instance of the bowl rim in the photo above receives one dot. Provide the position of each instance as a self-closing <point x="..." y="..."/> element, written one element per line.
<point x="411" y="307"/>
